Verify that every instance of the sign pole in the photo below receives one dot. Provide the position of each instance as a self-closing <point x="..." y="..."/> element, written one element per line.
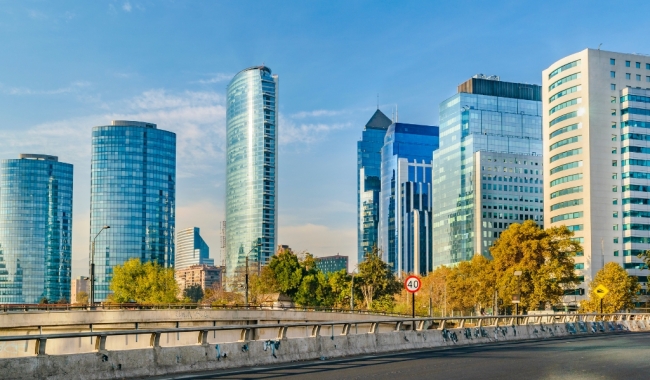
<point x="413" y="305"/>
<point x="601" y="306"/>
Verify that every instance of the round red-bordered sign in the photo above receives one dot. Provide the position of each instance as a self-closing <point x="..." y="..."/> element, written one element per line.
<point x="412" y="284"/>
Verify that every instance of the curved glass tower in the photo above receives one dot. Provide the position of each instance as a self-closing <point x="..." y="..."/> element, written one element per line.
<point x="133" y="191"/>
<point x="251" y="169"/>
<point x="35" y="229"/>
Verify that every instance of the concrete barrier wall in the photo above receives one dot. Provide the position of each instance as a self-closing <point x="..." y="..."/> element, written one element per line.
<point x="157" y="360"/>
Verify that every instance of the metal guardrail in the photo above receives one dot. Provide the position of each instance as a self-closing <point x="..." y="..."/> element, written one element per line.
<point x="413" y="324"/>
<point x="6" y="308"/>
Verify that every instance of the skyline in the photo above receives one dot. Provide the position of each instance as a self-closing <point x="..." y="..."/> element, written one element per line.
<point x="69" y="68"/>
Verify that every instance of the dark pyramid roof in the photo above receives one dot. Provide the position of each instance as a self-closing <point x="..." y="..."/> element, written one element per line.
<point x="379" y="121"/>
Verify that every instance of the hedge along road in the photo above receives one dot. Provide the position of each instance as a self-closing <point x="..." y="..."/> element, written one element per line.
<point x="620" y="356"/>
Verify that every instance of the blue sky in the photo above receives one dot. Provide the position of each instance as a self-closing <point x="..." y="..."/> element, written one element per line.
<point x="68" y="66"/>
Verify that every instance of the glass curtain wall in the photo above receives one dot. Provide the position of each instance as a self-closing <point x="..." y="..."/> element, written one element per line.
<point x="133" y="191"/>
<point x="35" y="229"/>
<point x="251" y="170"/>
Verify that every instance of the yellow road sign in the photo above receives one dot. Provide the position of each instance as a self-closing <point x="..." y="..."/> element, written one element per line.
<point x="601" y="290"/>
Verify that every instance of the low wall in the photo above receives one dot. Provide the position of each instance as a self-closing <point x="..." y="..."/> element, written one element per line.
<point x="157" y="360"/>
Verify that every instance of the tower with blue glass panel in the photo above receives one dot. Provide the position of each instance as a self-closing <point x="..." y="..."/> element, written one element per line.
<point x="35" y="229"/>
<point x="133" y="191"/>
<point x="251" y="170"/>
<point x="406" y="197"/>
<point x="369" y="182"/>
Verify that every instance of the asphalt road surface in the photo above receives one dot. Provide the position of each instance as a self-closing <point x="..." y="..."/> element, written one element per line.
<point x="622" y="356"/>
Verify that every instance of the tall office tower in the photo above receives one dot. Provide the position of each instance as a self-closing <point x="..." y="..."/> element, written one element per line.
<point x="251" y="169"/>
<point x="369" y="182"/>
<point x="191" y="249"/>
<point x="405" y="206"/>
<point x="596" y="136"/>
<point x="133" y="191"/>
<point x="488" y="170"/>
<point x="35" y="229"/>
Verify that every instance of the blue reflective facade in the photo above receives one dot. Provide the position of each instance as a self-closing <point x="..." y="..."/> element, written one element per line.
<point x="406" y="197"/>
<point x="507" y="120"/>
<point x="35" y="229"/>
<point x="133" y="191"/>
<point x="251" y="168"/>
<point x="369" y="182"/>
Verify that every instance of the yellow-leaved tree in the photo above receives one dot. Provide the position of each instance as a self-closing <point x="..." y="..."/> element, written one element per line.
<point x="622" y="290"/>
<point x="143" y="283"/>
<point x="545" y="259"/>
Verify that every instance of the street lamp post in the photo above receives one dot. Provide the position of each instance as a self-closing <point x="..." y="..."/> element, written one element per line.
<point x="518" y="275"/>
<point x="256" y="246"/>
<point x="92" y="268"/>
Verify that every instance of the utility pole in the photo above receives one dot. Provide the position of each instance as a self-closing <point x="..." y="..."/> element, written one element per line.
<point x="352" y="294"/>
<point x="91" y="299"/>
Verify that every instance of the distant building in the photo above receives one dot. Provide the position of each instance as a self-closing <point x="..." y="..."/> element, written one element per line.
<point x="35" y="229"/>
<point x="79" y="285"/>
<point x="204" y="275"/>
<point x="369" y="182"/>
<point x="251" y="168"/>
<point x="406" y="197"/>
<point x="133" y="191"/>
<point x="488" y="170"/>
<point x="191" y="249"/>
<point x="330" y="264"/>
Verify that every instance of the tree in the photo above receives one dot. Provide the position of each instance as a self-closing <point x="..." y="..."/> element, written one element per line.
<point x="82" y="298"/>
<point x="143" y="283"/>
<point x="622" y="290"/>
<point x="217" y="296"/>
<point x="545" y="258"/>
<point x="286" y="271"/>
<point x="376" y="281"/>
<point x="193" y="293"/>
<point x="471" y="284"/>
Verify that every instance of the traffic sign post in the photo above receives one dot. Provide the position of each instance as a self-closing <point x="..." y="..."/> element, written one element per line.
<point x="412" y="285"/>
<point x="601" y="291"/>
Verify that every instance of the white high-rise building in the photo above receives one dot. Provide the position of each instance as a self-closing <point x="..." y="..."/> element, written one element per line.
<point x="191" y="249"/>
<point x="596" y="107"/>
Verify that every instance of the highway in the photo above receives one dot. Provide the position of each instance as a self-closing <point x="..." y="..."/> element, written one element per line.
<point x="622" y="356"/>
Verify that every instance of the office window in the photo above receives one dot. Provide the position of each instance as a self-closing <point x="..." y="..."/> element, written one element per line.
<point x="579" y="266"/>
<point x="615" y="189"/>
<point x="638" y="65"/>
<point x="612" y="74"/>
<point x="615" y="240"/>
<point x="612" y="61"/>
<point x="613" y="150"/>
<point x="615" y="253"/>
<point x="647" y="66"/>
<point x="647" y="79"/>
<point x="614" y="163"/>
<point x="615" y="201"/>
<point x="638" y="77"/>
<point x="615" y="214"/>
<point x="628" y="76"/>
<point x="612" y="99"/>
<point x="613" y="112"/>
<point x="613" y="137"/>
<point x="614" y="175"/>
<point x="612" y="87"/>
<point x="627" y="63"/>
<point x="615" y="227"/>
<point x="613" y="124"/>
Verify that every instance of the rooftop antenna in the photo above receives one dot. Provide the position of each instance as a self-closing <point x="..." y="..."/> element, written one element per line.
<point x="396" y="113"/>
<point x="599" y="45"/>
<point x="377" y="100"/>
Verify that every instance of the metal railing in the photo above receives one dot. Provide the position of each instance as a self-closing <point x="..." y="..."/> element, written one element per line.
<point x="344" y="327"/>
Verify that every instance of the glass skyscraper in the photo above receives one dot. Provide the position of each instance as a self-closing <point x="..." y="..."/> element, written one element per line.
<point x="35" y="229"/>
<point x="405" y="204"/>
<point x="503" y="121"/>
<point x="369" y="182"/>
<point x="191" y="249"/>
<point x="251" y="168"/>
<point x="133" y="191"/>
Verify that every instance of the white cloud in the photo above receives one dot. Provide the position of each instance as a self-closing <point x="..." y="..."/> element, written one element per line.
<point x="316" y="113"/>
<point x="217" y="78"/>
<point x="305" y="133"/>
<point x="72" y="87"/>
<point x="126" y="7"/>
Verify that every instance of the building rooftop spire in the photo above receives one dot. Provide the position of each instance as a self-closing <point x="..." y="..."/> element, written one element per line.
<point x="379" y="121"/>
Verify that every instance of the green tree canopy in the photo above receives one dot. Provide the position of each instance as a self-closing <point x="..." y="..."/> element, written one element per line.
<point x="193" y="293"/>
<point x="143" y="283"/>
<point x="622" y="290"/>
<point x="376" y="281"/>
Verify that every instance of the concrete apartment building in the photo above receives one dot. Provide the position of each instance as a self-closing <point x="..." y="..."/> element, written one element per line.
<point x="204" y="275"/>
<point x="79" y="284"/>
<point x="596" y="124"/>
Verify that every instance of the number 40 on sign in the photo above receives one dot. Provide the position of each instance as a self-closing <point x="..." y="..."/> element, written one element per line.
<point x="412" y="284"/>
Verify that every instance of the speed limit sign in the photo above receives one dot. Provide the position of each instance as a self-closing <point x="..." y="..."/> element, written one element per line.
<point x="412" y="284"/>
